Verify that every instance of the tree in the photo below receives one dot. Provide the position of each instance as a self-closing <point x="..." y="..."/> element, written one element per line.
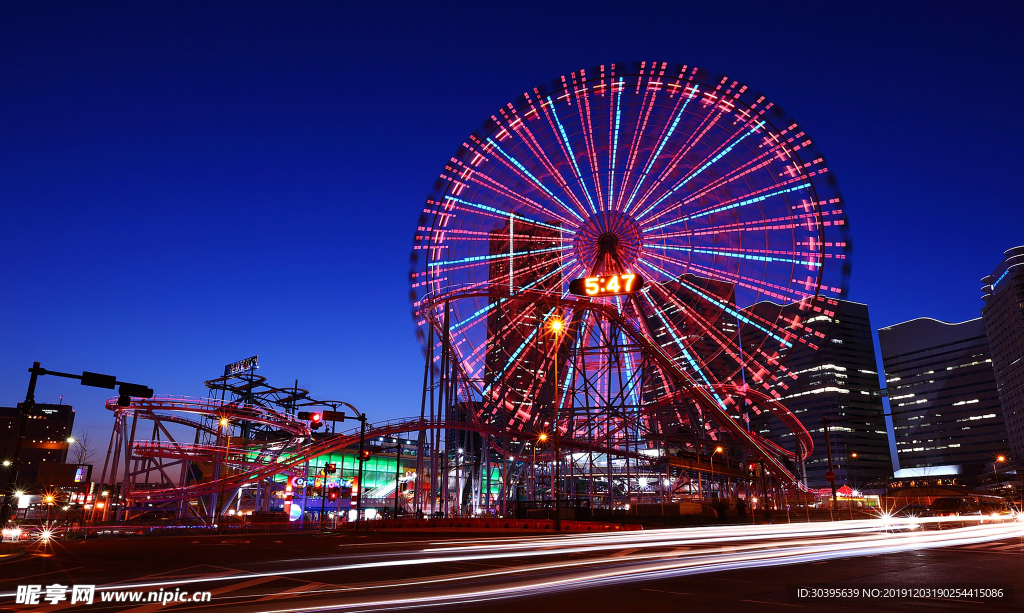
<point x="80" y="451"/>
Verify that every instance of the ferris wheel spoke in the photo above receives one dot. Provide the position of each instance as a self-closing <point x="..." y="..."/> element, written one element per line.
<point x="754" y="320"/>
<point x="785" y="222"/>
<point x="489" y="183"/>
<point x="614" y="120"/>
<point x="707" y="122"/>
<point x="556" y="126"/>
<point x="518" y="168"/>
<point x="718" y="155"/>
<point x="529" y="139"/>
<point x="586" y="121"/>
<point x="742" y="170"/>
<point x="473" y="317"/>
<point x="643" y="117"/>
<point x="724" y="342"/>
<point x="756" y="196"/>
<point x="514" y="357"/>
<point x="759" y="255"/>
<point x="686" y="355"/>
<point x="689" y="93"/>
<point x="726" y="207"/>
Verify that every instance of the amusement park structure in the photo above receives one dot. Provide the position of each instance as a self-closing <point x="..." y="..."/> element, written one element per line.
<point x="598" y="279"/>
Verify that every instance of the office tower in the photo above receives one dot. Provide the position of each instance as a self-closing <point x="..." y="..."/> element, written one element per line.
<point x="837" y="380"/>
<point x="46" y="437"/>
<point x="1003" y="314"/>
<point x="942" y="394"/>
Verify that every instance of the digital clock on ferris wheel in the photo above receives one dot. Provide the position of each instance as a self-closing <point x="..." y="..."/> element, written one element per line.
<point x="613" y="285"/>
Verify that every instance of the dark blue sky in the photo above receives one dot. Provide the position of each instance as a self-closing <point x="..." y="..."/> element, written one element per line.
<point x="184" y="185"/>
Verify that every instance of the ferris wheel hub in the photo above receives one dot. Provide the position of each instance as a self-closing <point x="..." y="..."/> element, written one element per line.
<point x="608" y="232"/>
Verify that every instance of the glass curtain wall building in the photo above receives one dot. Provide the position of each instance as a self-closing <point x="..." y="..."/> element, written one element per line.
<point x="1003" y="314"/>
<point x="942" y="394"/>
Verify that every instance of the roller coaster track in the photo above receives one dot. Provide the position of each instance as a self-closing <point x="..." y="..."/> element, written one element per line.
<point x="282" y="460"/>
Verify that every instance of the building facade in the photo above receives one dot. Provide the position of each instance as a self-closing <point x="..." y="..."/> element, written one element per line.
<point x="942" y="394"/>
<point x="1003" y="313"/>
<point x="46" y="437"/>
<point x="837" y="379"/>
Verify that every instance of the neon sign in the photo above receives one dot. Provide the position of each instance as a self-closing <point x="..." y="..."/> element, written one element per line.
<point x="332" y="482"/>
<point x="614" y="285"/>
<point x="242" y="366"/>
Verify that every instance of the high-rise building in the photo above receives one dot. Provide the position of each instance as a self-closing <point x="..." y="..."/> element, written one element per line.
<point x="1003" y="314"/>
<point x="46" y="437"/>
<point x="942" y="394"/>
<point x="837" y="380"/>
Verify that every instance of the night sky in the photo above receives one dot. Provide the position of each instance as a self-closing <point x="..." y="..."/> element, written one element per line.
<point x="185" y="185"/>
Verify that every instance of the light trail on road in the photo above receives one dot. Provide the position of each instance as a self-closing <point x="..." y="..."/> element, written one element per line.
<point x="536" y="565"/>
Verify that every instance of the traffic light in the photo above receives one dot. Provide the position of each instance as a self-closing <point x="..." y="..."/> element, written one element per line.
<point x="333" y="495"/>
<point x="129" y="390"/>
<point x="315" y="419"/>
<point x="366" y="454"/>
<point x="331" y="468"/>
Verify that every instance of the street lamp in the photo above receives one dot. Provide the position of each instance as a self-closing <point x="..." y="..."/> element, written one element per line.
<point x="712" y="484"/>
<point x="226" y="424"/>
<point x="995" y="469"/>
<point x="540" y="439"/>
<point x="556" y="326"/>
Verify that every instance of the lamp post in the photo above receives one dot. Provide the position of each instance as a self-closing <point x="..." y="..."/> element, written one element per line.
<point x="224" y="423"/>
<point x="995" y="469"/>
<point x="540" y="439"/>
<point x="556" y="326"/>
<point x="711" y="485"/>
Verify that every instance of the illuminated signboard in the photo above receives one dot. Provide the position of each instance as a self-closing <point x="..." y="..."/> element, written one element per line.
<point x="612" y="285"/>
<point x="332" y="482"/>
<point x="241" y="366"/>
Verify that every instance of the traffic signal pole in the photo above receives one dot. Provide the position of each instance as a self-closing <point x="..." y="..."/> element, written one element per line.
<point x="359" y="492"/>
<point x="90" y="379"/>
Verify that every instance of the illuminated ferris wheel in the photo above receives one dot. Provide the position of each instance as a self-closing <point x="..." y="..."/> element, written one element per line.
<point x="676" y="224"/>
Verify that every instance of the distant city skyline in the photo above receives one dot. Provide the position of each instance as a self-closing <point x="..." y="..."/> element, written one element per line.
<point x="189" y="186"/>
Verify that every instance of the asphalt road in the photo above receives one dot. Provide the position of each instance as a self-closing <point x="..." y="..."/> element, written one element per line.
<point x="694" y="569"/>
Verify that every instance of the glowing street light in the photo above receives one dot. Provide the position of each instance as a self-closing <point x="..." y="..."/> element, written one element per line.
<point x="556" y="325"/>
<point x="995" y="468"/>
<point x="712" y="484"/>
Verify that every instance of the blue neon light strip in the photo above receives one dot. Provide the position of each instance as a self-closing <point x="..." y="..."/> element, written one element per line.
<point x="522" y="168"/>
<point x="686" y="354"/>
<point x="482" y="258"/>
<point x="730" y="254"/>
<point x="572" y="155"/>
<point x="515" y="354"/>
<point x="491" y="209"/>
<point x="501" y="300"/>
<point x="615" y="146"/>
<point x="1001" y="277"/>
<point x="731" y="206"/>
<point x="661" y="146"/>
<point x="706" y="165"/>
<point x="720" y="304"/>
